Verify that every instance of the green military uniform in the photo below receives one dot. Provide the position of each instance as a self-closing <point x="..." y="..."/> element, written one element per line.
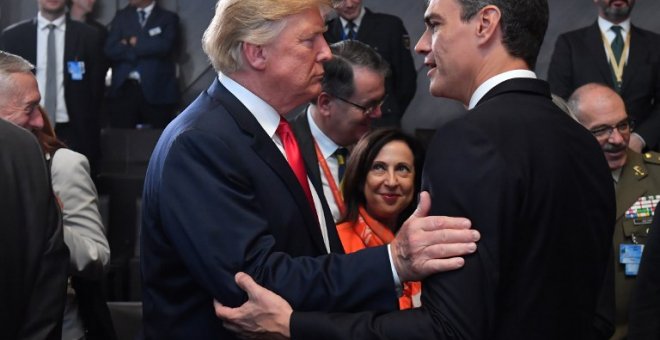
<point x="639" y="179"/>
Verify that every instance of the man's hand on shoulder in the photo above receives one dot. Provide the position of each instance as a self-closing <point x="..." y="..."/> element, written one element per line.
<point x="430" y="244"/>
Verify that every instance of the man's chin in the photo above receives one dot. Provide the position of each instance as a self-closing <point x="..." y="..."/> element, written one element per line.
<point x="616" y="159"/>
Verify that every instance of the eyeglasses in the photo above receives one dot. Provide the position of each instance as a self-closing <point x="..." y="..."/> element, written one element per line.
<point x="366" y="110"/>
<point x="602" y="132"/>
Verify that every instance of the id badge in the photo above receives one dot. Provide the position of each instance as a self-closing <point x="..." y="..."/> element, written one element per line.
<point x="76" y="69"/>
<point x="630" y="255"/>
<point x="155" y="31"/>
<point x="632" y="269"/>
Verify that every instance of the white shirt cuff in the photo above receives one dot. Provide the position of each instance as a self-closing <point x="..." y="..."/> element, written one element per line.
<point x="397" y="281"/>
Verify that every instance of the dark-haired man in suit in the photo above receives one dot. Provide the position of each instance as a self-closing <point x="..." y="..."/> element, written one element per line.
<point x="141" y="48"/>
<point x="615" y="52"/>
<point x="68" y="60"/>
<point x="350" y="100"/>
<point x="528" y="177"/>
<point x="387" y="35"/>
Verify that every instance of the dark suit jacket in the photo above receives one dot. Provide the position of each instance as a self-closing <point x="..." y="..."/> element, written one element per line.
<point x="579" y="58"/>
<point x="219" y="198"/>
<point x="152" y="56"/>
<point x="537" y="187"/>
<point x="645" y="301"/>
<point x="387" y="35"/>
<point x="34" y="261"/>
<point x="83" y="97"/>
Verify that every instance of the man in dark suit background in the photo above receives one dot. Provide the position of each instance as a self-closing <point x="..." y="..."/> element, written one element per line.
<point x="141" y="47"/>
<point x="526" y="175"/>
<point x="387" y="35"/>
<point x="226" y="189"/>
<point x="34" y="261"/>
<point x="352" y="92"/>
<point x="586" y="56"/>
<point x="72" y="92"/>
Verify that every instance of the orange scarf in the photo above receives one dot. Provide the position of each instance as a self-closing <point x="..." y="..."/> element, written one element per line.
<point x="367" y="232"/>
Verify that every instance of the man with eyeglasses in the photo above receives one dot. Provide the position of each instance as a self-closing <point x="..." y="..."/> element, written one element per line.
<point x="637" y="181"/>
<point x="353" y="90"/>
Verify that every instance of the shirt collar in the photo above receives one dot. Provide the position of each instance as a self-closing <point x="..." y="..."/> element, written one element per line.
<point x="496" y="80"/>
<point x="147" y="10"/>
<point x="327" y="145"/>
<point x="616" y="174"/>
<point x="605" y="25"/>
<point x="43" y="22"/>
<point x="357" y="21"/>
<point x="265" y="114"/>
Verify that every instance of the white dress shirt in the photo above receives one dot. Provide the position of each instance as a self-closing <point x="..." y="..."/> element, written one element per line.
<point x="328" y="148"/>
<point x="357" y="22"/>
<point x="606" y="28"/>
<point x="61" y="114"/>
<point x="489" y="84"/>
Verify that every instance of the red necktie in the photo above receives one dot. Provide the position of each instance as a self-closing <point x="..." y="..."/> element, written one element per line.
<point x="294" y="158"/>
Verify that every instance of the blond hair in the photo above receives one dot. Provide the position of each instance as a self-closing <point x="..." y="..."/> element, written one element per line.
<point x="254" y="21"/>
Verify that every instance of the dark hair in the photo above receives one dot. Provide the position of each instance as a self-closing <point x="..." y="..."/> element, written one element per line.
<point x="523" y="23"/>
<point x="46" y="136"/>
<point x="360" y="161"/>
<point x="338" y="78"/>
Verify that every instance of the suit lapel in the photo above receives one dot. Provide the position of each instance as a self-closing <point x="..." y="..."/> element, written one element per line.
<point x="636" y="56"/>
<point x="301" y="129"/>
<point x="631" y="182"/>
<point x="594" y="44"/>
<point x="268" y="152"/>
<point x="31" y="40"/>
<point x="71" y="37"/>
<point x="366" y="27"/>
<point x="334" y="33"/>
<point x="153" y="17"/>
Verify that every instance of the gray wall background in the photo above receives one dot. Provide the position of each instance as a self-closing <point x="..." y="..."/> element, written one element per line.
<point x="424" y="112"/>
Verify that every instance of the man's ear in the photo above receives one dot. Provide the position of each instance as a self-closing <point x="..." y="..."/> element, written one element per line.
<point x="254" y="55"/>
<point x="488" y="22"/>
<point x="323" y="102"/>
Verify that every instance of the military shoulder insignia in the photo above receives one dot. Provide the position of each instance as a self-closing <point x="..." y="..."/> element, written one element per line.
<point x="651" y="157"/>
<point x="642" y="211"/>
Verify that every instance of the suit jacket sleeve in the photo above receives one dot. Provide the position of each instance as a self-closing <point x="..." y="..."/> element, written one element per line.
<point x="84" y="233"/>
<point x="215" y="243"/>
<point x="560" y="71"/>
<point x="645" y="301"/>
<point x="458" y="304"/>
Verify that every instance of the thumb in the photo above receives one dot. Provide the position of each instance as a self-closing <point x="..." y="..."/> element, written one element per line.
<point x="423" y="206"/>
<point x="246" y="283"/>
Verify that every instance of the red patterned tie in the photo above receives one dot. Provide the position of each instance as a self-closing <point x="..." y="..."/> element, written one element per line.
<point x="294" y="158"/>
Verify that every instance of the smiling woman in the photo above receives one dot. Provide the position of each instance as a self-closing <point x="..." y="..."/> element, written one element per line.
<point x="382" y="178"/>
